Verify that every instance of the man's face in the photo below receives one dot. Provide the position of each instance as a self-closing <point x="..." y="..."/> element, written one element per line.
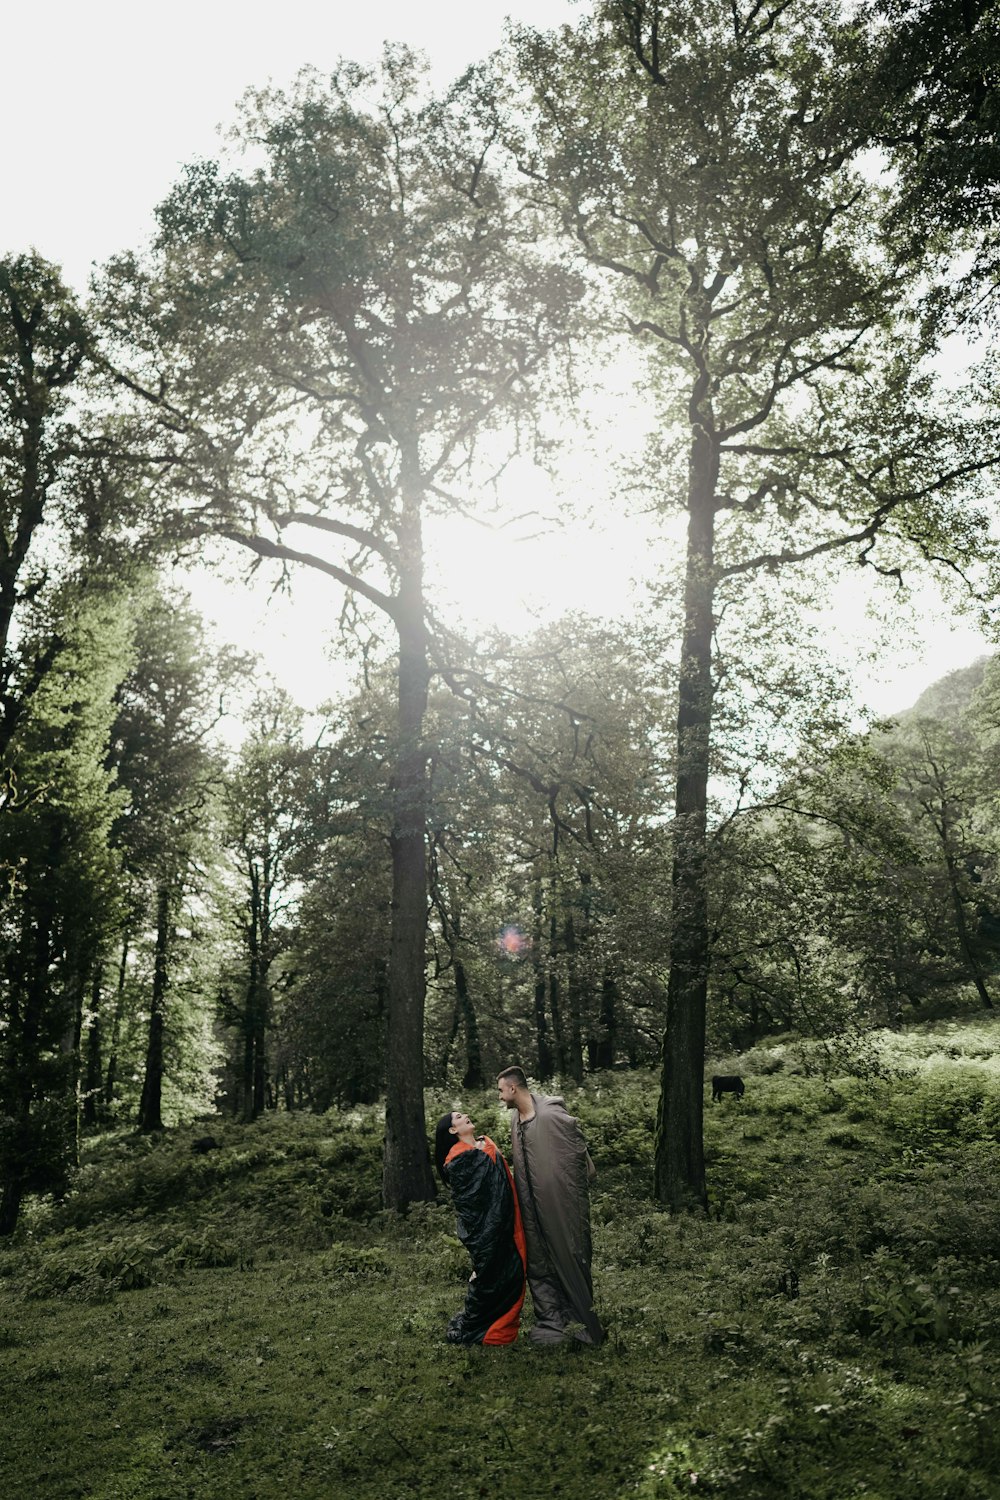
<point x="506" y="1089"/>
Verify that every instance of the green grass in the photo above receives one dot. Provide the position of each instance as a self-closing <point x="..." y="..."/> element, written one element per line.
<point x="248" y="1323"/>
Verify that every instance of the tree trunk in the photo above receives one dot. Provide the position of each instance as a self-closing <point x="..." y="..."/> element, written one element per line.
<point x="151" y="1103"/>
<point x="92" y="1074"/>
<point x="456" y="1025"/>
<point x="10" y="1205"/>
<point x="543" y="1047"/>
<point x="555" y="1010"/>
<point x="247" y="1104"/>
<point x="473" y="1077"/>
<point x="262" y="1093"/>
<point x="679" y="1179"/>
<point x="406" y="1163"/>
<point x="574" y="1001"/>
<point x="608" y="1024"/>
<point x="75" y="1050"/>
<point x="116" y="1027"/>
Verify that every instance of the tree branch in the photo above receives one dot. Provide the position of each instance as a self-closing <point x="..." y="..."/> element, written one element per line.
<point x="266" y="548"/>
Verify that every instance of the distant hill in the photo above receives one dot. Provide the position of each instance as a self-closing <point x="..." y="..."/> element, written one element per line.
<point x="950" y="695"/>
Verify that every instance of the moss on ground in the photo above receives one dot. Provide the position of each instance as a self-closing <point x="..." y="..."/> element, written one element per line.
<point x="246" y="1322"/>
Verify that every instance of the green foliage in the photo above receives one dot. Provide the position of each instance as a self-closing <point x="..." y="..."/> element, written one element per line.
<point x="355" y="1261"/>
<point x="122" y="1264"/>
<point x="867" y="886"/>
<point x="62" y="910"/>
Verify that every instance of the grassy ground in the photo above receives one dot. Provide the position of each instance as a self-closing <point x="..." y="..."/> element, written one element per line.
<point x="247" y="1322"/>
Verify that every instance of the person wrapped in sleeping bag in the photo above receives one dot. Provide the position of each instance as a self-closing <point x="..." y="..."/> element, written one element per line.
<point x="489" y="1225"/>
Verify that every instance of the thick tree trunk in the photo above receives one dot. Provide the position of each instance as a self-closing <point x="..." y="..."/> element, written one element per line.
<point x="406" y="1163"/>
<point x="151" y="1103"/>
<point x="679" y="1179"/>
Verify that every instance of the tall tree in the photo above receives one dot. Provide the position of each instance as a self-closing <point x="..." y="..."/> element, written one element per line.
<point x="325" y="337"/>
<point x="265" y="799"/>
<point x="162" y="753"/>
<point x="707" y="162"/>
<point x="45" y="340"/>
<point x="330" y="1015"/>
<point x="62" y="909"/>
<point x="64" y="635"/>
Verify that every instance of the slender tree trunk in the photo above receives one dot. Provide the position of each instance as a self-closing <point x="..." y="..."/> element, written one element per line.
<point x="545" y="1064"/>
<point x="116" y="1026"/>
<point x="679" y="1179"/>
<point x="608" y="1023"/>
<point x="247" y="1101"/>
<point x="262" y="1092"/>
<point x="473" y="1077"/>
<point x="151" y="1103"/>
<point x="75" y="1050"/>
<point x="456" y="1026"/>
<point x="543" y="1047"/>
<point x="574" y="1000"/>
<point x="464" y="1015"/>
<point x="555" y="1009"/>
<point x="406" y="1164"/>
<point x="92" y="1073"/>
<point x="262" y="1009"/>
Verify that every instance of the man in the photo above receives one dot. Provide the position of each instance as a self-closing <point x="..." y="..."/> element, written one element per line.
<point x="552" y="1171"/>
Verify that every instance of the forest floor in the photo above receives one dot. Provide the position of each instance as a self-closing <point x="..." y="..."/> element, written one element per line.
<point x="246" y="1322"/>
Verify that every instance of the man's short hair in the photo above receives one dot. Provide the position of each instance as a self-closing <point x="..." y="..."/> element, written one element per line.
<point x="517" y="1074"/>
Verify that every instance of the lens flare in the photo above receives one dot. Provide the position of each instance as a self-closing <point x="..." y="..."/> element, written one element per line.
<point x="512" y="942"/>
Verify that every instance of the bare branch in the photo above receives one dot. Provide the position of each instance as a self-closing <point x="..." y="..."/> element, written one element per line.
<point x="263" y="547"/>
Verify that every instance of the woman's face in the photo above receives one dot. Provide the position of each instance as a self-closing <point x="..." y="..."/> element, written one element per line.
<point x="460" y="1123"/>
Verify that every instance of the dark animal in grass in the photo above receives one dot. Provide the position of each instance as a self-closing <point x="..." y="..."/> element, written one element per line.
<point x="205" y="1143"/>
<point x="726" y="1083"/>
<point x="788" y="1284"/>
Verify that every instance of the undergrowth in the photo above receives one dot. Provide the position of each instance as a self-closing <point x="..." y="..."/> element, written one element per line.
<point x="226" y="1311"/>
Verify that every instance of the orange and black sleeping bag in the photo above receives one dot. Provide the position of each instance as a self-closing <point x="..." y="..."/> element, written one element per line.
<point x="489" y="1225"/>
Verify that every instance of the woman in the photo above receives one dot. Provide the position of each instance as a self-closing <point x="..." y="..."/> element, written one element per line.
<point x="489" y="1224"/>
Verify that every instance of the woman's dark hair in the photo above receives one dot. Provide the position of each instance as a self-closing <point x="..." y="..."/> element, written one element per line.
<point x="443" y="1142"/>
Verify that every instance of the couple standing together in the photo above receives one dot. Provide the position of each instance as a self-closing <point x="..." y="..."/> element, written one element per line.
<point x="534" y="1224"/>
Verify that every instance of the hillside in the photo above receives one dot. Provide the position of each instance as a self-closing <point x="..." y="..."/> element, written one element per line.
<point x="244" y="1320"/>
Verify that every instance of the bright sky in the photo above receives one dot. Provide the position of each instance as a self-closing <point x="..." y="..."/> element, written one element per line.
<point x="102" y="102"/>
